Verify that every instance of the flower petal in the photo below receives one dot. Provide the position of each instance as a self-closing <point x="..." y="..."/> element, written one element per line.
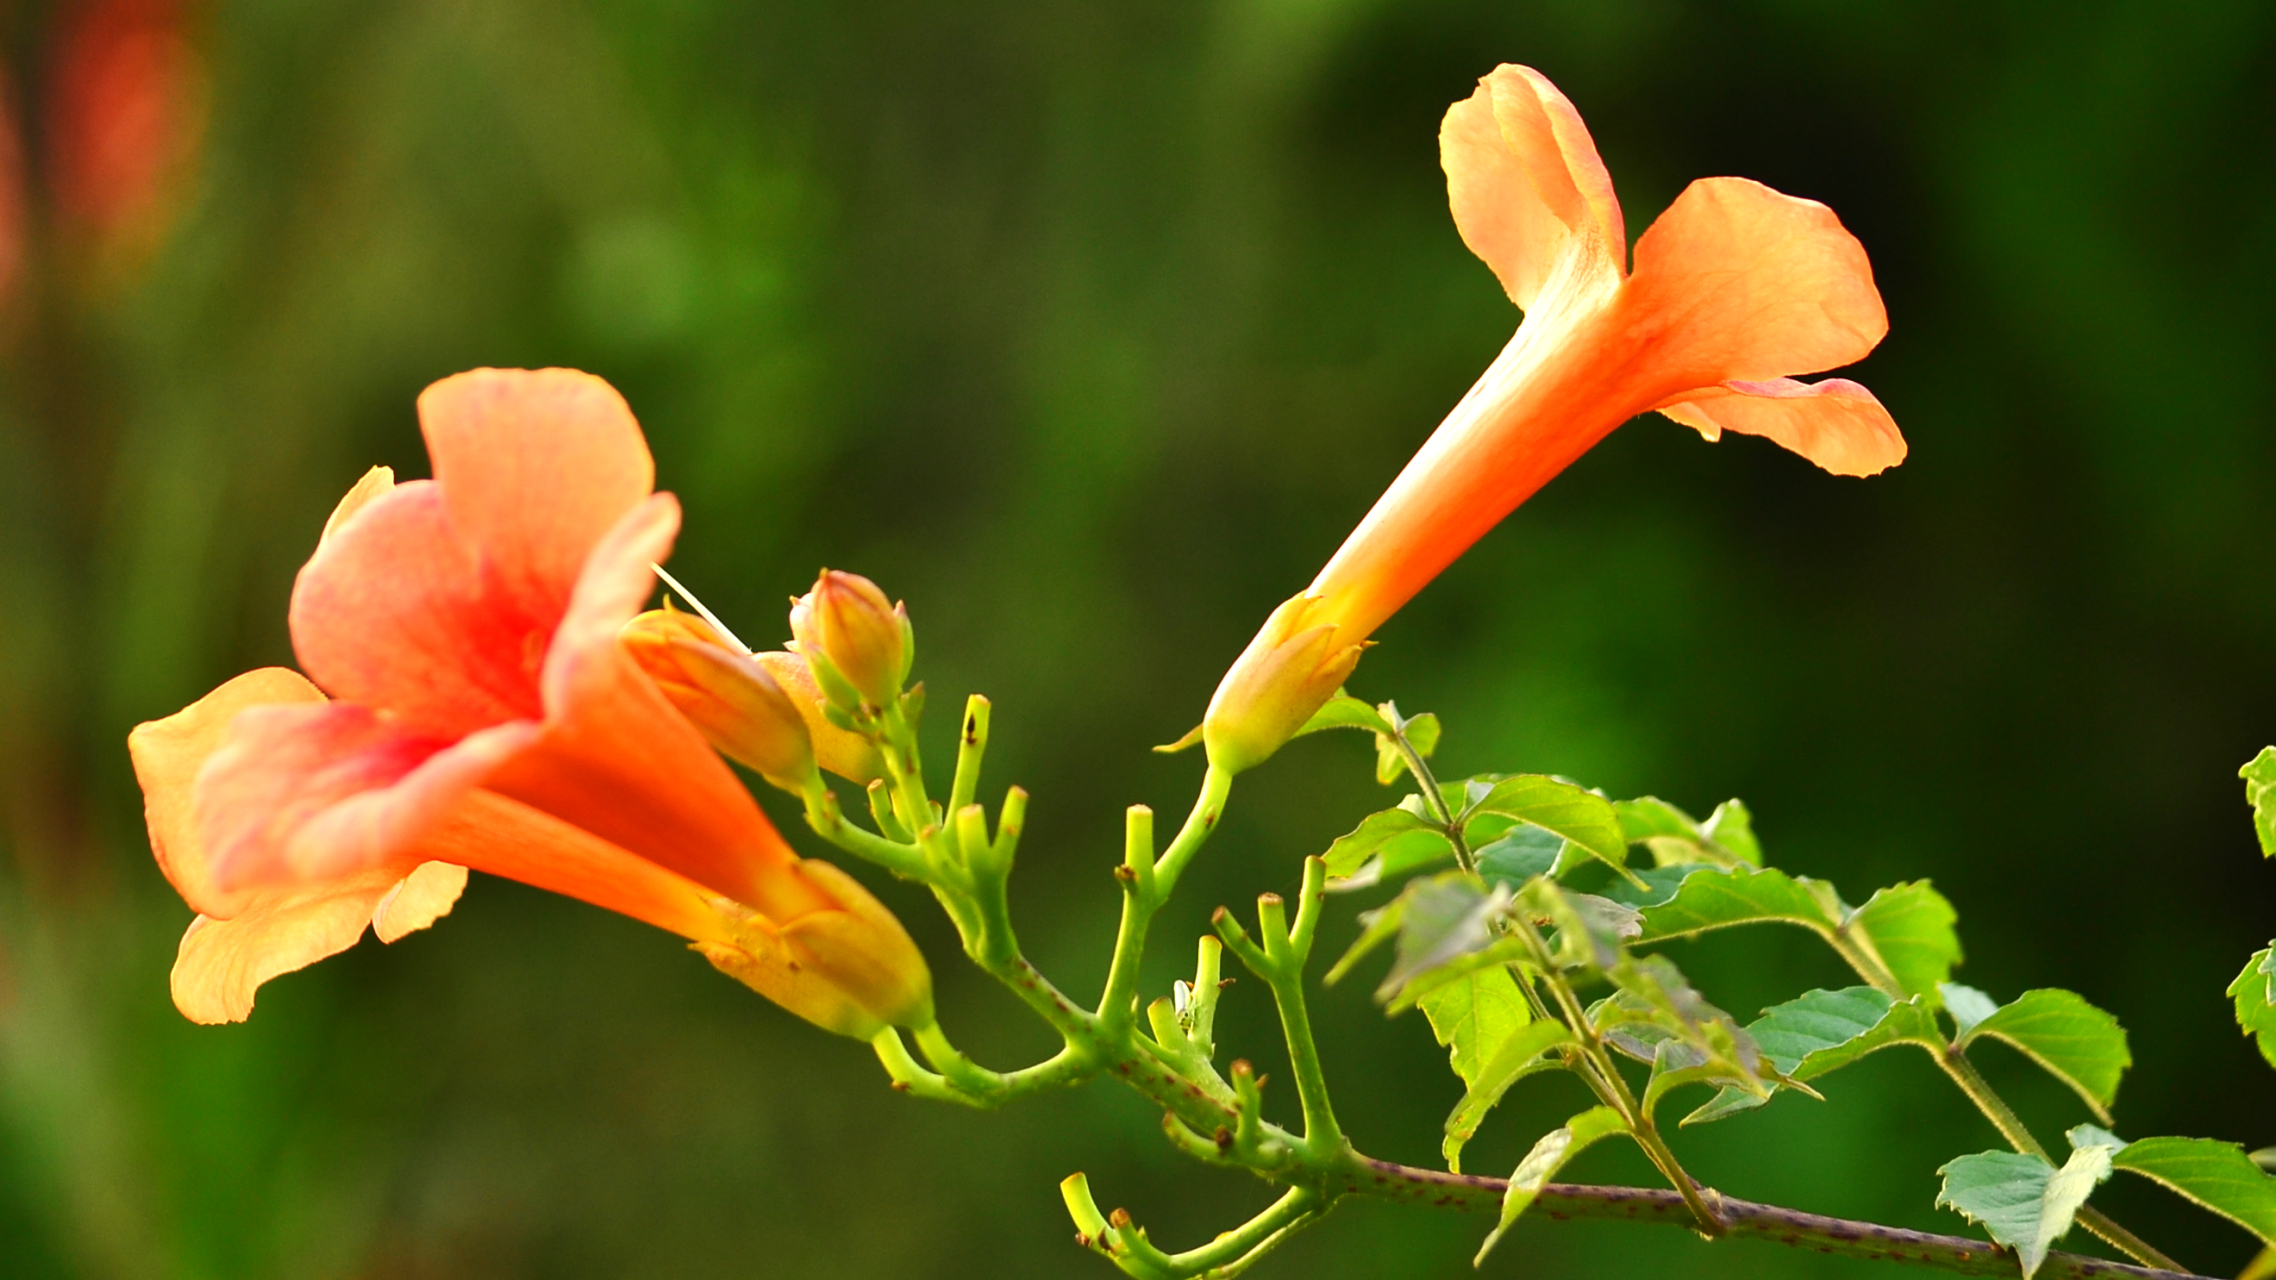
<point x="537" y="466"/>
<point x="1525" y="182"/>
<point x="395" y="611"/>
<point x="1736" y="281"/>
<point x="222" y="962"/>
<point x="617" y="759"/>
<point x="1835" y="423"/>
<point x="374" y="483"/>
<point x="167" y="755"/>
<point x="504" y="837"/>
<point x="418" y="900"/>
<point x="305" y="794"/>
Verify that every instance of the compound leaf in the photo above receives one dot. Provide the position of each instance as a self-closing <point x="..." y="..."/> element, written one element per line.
<point x="1910" y="926"/>
<point x="1710" y="899"/>
<point x="1474" y="1016"/>
<point x="2217" y="1175"/>
<point x="1541" y="1164"/>
<point x="2022" y="1201"/>
<point x="1520" y="1055"/>
<point x="1821" y="1032"/>
<point x="1376" y="833"/>
<point x="2078" y="1044"/>
<point x="1582" y="817"/>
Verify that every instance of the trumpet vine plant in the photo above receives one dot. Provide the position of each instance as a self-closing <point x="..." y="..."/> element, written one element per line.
<point x="482" y="687"/>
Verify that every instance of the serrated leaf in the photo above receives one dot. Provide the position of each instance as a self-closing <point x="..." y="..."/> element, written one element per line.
<point x="1420" y="842"/>
<point x="1585" y="819"/>
<point x="1345" y="712"/>
<point x="2255" y="994"/>
<point x="1821" y="1032"/>
<point x="2078" y="1044"/>
<point x="1711" y="899"/>
<point x="1520" y="1055"/>
<point x="1542" y="1163"/>
<point x="1732" y="827"/>
<point x="1474" y="1017"/>
<point x="2217" y="1175"/>
<point x="1967" y="1005"/>
<point x="2022" y="1201"/>
<point x="2259" y="776"/>
<point x="1673" y="836"/>
<point x="1446" y="916"/>
<point x="1527" y="851"/>
<point x="1910" y="927"/>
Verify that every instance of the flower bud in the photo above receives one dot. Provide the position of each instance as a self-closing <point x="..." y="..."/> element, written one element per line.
<point x="1292" y="667"/>
<point x="846" y="628"/>
<point x="848" y="967"/>
<point x="729" y="697"/>
<point x="841" y="751"/>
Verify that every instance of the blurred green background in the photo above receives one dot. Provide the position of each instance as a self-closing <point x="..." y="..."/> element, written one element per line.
<point x="1090" y="330"/>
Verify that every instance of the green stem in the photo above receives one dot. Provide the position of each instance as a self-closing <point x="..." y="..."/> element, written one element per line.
<point x="1208" y="807"/>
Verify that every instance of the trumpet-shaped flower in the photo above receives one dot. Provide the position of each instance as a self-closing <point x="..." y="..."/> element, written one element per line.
<point x="1735" y="289"/>
<point x="468" y="704"/>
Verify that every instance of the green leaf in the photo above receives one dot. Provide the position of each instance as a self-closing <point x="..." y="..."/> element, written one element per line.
<point x="1588" y="929"/>
<point x="1967" y="1005"/>
<point x="1474" y="1016"/>
<point x="1542" y="1163"/>
<point x="1415" y="840"/>
<point x="1520" y="1055"/>
<point x="1527" y="851"/>
<point x="1447" y="916"/>
<point x="1649" y="816"/>
<point x="1821" y="1032"/>
<point x="1709" y="899"/>
<point x="1674" y="837"/>
<point x="1732" y="827"/>
<point x="2259" y="776"/>
<point x="2217" y="1175"/>
<point x="1422" y="735"/>
<point x="1345" y="712"/>
<point x="1909" y="926"/>
<point x="1582" y="817"/>
<point x="2078" y="1044"/>
<point x="2022" y="1201"/>
<point x="2255" y="994"/>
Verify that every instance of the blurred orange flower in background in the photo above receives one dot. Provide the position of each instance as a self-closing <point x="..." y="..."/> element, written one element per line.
<point x="1735" y="288"/>
<point x="468" y="703"/>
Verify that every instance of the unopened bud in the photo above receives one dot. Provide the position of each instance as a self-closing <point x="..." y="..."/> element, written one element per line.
<point x="727" y="695"/>
<point x="847" y="629"/>
<point x="841" y="751"/>
<point x="1289" y="671"/>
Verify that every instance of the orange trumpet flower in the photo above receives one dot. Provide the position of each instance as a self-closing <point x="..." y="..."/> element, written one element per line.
<point x="1735" y="288"/>
<point x="483" y="714"/>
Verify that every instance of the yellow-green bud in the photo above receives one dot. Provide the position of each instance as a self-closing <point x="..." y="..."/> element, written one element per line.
<point x="846" y="623"/>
